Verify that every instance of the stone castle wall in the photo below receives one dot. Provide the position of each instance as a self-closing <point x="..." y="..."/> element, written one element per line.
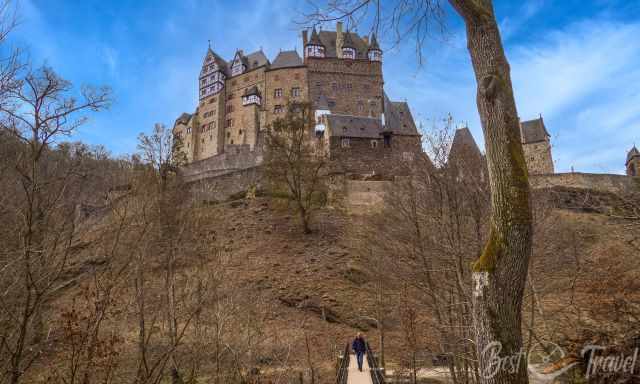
<point x="364" y="157"/>
<point x="352" y="87"/>
<point x="617" y="184"/>
<point x="236" y="158"/>
<point x="538" y="157"/>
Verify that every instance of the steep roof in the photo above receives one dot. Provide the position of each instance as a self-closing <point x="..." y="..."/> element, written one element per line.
<point x="253" y="90"/>
<point x="464" y="145"/>
<point x="328" y="39"/>
<point x="354" y="126"/>
<point x="219" y="61"/>
<point x="533" y="131"/>
<point x="632" y="153"/>
<point x="348" y="41"/>
<point x="314" y="39"/>
<point x="183" y="119"/>
<point x="398" y="118"/>
<point x="286" y="59"/>
<point x="256" y="59"/>
<point x="374" y="43"/>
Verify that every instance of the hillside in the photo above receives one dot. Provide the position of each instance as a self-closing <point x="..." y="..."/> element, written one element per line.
<point x="316" y="290"/>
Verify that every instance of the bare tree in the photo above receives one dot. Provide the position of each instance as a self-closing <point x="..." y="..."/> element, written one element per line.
<point x="36" y="114"/>
<point x="500" y="273"/>
<point x="295" y="162"/>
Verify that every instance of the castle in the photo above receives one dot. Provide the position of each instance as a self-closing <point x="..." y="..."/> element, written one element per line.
<point x="340" y="75"/>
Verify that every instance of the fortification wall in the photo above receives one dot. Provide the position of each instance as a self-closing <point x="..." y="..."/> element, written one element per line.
<point x="226" y="186"/>
<point x="235" y="158"/>
<point x="598" y="182"/>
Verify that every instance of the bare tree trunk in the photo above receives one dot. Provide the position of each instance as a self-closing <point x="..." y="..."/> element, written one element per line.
<point x="501" y="271"/>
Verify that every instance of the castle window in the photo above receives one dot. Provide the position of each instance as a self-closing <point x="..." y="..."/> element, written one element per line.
<point x="345" y="143"/>
<point x="230" y="123"/>
<point x="387" y="141"/>
<point x="213" y="100"/>
<point x="240" y="132"/>
<point x="228" y="135"/>
<point x="232" y="141"/>
<point x="295" y="92"/>
<point x="188" y="129"/>
<point x="348" y="53"/>
<point x="360" y="106"/>
<point x="374" y="143"/>
<point x="278" y="109"/>
<point x="229" y="108"/>
<point x="277" y="92"/>
<point x="318" y="83"/>
<point x="331" y="103"/>
<point x="334" y="86"/>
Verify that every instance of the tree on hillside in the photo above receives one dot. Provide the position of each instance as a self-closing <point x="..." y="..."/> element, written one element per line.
<point x="47" y="188"/>
<point x="295" y="162"/>
<point x="500" y="272"/>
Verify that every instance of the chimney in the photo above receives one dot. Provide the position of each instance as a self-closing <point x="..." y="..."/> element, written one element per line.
<point x="339" y="39"/>
<point x="304" y="37"/>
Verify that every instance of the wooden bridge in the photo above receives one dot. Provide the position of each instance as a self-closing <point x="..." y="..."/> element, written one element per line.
<point x="348" y="373"/>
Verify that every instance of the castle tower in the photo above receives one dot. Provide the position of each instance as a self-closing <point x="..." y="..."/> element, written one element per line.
<point x="536" y="144"/>
<point x="633" y="162"/>
<point x="348" y="47"/>
<point x="208" y="128"/>
<point x="374" y="52"/>
<point x="314" y="47"/>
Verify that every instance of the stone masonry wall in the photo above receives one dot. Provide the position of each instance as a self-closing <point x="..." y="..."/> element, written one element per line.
<point x="285" y="79"/>
<point x="353" y="86"/>
<point x="599" y="182"/>
<point x="365" y="158"/>
<point x="538" y="158"/>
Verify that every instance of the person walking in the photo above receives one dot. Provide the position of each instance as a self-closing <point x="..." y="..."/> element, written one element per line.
<point x="359" y="347"/>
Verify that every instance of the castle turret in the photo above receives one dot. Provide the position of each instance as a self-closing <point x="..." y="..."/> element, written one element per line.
<point x="374" y="52"/>
<point x="212" y="74"/>
<point x="633" y="162"/>
<point x="314" y="47"/>
<point x="239" y="65"/>
<point x="348" y="47"/>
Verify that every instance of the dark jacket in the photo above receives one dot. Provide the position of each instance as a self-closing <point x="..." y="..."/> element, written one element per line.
<point x="358" y="345"/>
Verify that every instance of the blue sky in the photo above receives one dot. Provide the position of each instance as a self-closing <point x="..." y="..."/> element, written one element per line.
<point x="575" y="62"/>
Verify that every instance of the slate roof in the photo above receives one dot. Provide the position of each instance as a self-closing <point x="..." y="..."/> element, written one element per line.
<point x="183" y="119"/>
<point x="218" y="60"/>
<point x="287" y="59"/>
<point x="533" y="131"/>
<point x="255" y="60"/>
<point x="354" y="126"/>
<point x="315" y="39"/>
<point x="398" y="118"/>
<point x="253" y="90"/>
<point x="328" y="39"/>
<point x="374" y="43"/>
<point x="463" y="144"/>
<point x="632" y="153"/>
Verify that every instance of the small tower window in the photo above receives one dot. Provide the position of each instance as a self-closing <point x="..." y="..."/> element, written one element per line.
<point x="295" y="92"/>
<point x="387" y="141"/>
<point x="345" y="143"/>
<point x="277" y="92"/>
<point x="374" y="143"/>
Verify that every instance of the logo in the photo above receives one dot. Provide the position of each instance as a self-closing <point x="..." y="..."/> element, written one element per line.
<point x="547" y="360"/>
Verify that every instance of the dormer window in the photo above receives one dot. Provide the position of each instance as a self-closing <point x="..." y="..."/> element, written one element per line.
<point x="348" y="53"/>
<point x="237" y="69"/>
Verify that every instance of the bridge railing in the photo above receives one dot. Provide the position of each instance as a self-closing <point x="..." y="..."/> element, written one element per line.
<point x="377" y="374"/>
<point x="343" y="366"/>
